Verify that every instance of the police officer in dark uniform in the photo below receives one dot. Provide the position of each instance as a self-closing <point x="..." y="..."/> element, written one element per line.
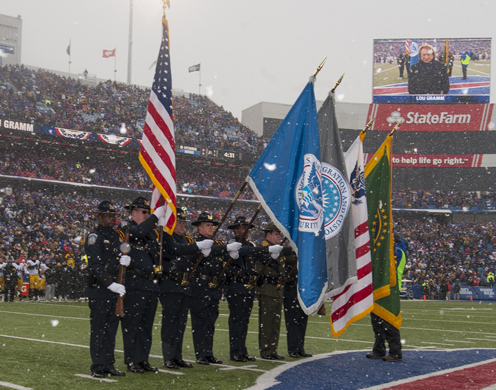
<point x="141" y="299"/>
<point x="207" y="289"/>
<point x="174" y="296"/>
<point x="295" y="317"/>
<point x="102" y="248"/>
<point x="10" y="280"/>
<point x="270" y="295"/>
<point x="239" y="296"/>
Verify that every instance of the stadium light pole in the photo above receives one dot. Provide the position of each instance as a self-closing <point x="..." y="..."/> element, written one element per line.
<point x="130" y="48"/>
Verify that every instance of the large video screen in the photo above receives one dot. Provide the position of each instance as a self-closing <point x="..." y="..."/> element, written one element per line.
<point x="430" y="71"/>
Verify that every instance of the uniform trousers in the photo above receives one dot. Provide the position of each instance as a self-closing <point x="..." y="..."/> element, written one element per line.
<point x="240" y="306"/>
<point x="140" y="307"/>
<point x="269" y="325"/>
<point x="175" y="308"/>
<point x="384" y="331"/>
<point x="104" y="324"/>
<point x="204" y="313"/>
<point x="296" y="321"/>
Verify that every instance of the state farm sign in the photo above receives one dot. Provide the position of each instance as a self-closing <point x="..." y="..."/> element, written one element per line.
<point x="438" y="117"/>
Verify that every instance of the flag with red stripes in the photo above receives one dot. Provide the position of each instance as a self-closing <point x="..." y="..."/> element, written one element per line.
<point x="356" y="300"/>
<point x="157" y="154"/>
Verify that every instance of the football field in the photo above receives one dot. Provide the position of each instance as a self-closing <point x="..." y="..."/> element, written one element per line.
<point x="45" y="345"/>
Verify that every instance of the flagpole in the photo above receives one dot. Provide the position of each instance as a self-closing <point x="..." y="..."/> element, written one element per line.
<point x="367" y="126"/>
<point x="337" y="83"/>
<point x="130" y="43"/>
<point x="115" y="63"/>
<point x="395" y="128"/>
<point x="199" y="81"/>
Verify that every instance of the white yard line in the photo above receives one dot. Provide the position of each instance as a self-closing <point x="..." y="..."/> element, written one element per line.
<point x="431" y="342"/>
<point x="119" y="351"/>
<point x="95" y="379"/>
<point x="459" y="341"/>
<point x="14" y="386"/>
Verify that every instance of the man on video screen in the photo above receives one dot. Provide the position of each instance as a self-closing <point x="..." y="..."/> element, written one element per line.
<point x="428" y="76"/>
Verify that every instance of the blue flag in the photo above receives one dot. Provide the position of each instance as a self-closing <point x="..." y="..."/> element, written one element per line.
<point x="414" y="53"/>
<point x="287" y="180"/>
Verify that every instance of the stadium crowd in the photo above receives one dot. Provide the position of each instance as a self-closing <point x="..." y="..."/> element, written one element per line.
<point x="386" y="51"/>
<point x="38" y="225"/>
<point x="44" y="98"/>
<point x="111" y="169"/>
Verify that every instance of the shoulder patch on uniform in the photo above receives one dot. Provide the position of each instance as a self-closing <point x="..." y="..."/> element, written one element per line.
<point x="218" y="242"/>
<point x="189" y="238"/>
<point x="92" y="238"/>
<point x="265" y="243"/>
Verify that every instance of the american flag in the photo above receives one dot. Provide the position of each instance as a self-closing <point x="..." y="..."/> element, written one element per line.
<point x="408" y="46"/>
<point x="357" y="300"/>
<point x="157" y="154"/>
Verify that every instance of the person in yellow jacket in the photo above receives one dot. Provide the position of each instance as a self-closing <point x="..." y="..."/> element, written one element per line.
<point x="465" y="57"/>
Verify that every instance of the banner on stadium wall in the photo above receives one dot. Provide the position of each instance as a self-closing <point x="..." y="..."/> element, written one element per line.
<point x="441" y="160"/>
<point x="114" y="139"/>
<point x="436" y="117"/>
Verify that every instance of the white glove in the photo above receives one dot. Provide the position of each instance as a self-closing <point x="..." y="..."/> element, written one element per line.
<point x="125" y="260"/>
<point x="233" y="249"/>
<point x="234" y="246"/>
<point x="162" y="221"/>
<point x="117" y="288"/>
<point x="205" y="246"/>
<point x="275" y="250"/>
<point x="160" y="212"/>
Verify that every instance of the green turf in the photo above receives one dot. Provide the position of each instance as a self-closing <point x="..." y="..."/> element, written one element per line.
<point x="43" y="356"/>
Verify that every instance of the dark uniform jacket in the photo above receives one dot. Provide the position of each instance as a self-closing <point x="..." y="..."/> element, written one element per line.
<point x="273" y="274"/>
<point x="143" y="238"/>
<point x="242" y="271"/>
<point x="178" y="261"/>
<point x="102" y="248"/>
<point x="209" y="270"/>
<point x="431" y="78"/>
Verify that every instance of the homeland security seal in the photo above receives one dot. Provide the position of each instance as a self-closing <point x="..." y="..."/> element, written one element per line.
<point x="337" y="199"/>
<point x="309" y="196"/>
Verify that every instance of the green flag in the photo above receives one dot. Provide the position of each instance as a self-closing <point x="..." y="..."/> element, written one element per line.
<point x="378" y="181"/>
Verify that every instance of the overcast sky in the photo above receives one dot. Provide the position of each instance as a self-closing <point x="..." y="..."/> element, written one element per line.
<point x="250" y="51"/>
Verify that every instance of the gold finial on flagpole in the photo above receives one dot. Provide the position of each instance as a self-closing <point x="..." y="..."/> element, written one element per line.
<point x="367" y="126"/>
<point x="396" y="127"/>
<point x="337" y="83"/>
<point x="319" y="67"/>
<point x="165" y="3"/>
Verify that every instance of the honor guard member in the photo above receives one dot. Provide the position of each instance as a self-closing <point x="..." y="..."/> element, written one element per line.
<point x="270" y="294"/>
<point x="10" y="279"/>
<point x="207" y="288"/>
<point x="174" y="296"/>
<point x="295" y="318"/>
<point x="383" y="330"/>
<point x="238" y="291"/>
<point x="103" y="250"/>
<point x="141" y="299"/>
